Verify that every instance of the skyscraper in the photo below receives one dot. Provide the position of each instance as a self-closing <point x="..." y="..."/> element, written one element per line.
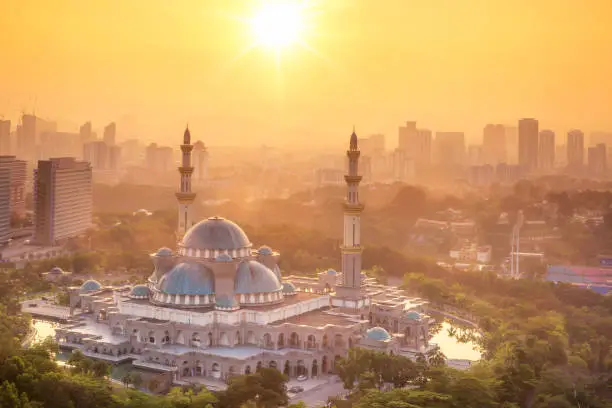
<point x="29" y="135"/>
<point x="97" y="154"/>
<point x="416" y="144"/>
<point x="450" y="148"/>
<point x="597" y="160"/>
<point x="5" y="137"/>
<point x="494" y="144"/>
<point x="62" y="199"/>
<point x="546" y="156"/>
<point x="5" y="207"/>
<point x="17" y="173"/>
<point x="185" y="196"/>
<point x="575" y="150"/>
<point x="528" y="144"/>
<point x="349" y="294"/>
<point x="86" y="133"/>
<point x="406" y="133"/>
<point x="200" y="156"/>
<point x="110" y="133"/>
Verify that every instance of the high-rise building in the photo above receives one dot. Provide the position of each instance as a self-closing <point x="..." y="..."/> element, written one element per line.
<point x="597" y="160"/>
<point x="17" y="172"/>
<point x="350" y="293"/>
<point x="159" y="159"/>
<point x="29" y="133"/>
<point x="185" y="196"/>
<point x="402" y="167"/>
<point x="200" y="156"/>
<point x="512" y="143"/>
<point x="97" y="153"/>
<point x="546" y="155"/>
<point x="450" y="148"/>
<point x="416" y="144"/>
<point x="86" y="132"/>
<point x="528" y="144"/>
<point x="60" y="144"/>
<point x="5" y="137"/>
<point x="114" y="158"/>
<point x="62" y="199"/>
<point x="110" y="134"/>
<point x="575" y="150"/>
<point x="494" y="144"/>
<point x="5" y="206"/>
<point x="406" y="133"/>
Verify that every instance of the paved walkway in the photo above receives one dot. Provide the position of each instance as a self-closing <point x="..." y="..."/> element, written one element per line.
<point x="317" y="396"/>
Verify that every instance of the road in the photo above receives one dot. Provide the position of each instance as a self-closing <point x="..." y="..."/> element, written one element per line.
<point x="317" y="397"/>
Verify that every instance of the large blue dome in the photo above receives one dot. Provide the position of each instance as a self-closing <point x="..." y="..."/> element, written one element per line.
<point x="216" y="234"/>
<point x="188" y="279"/>
<point x="253" y="277"/>
<point x="139" y="292"/>
<point x="90" y="286"/>
<point x="378" y="333"/>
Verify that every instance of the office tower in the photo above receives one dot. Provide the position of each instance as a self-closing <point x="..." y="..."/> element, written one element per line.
<point x="62" y="199"/>
<point x="200" y="156"/>
<point x="110" y="133"/>
<point x="406" y="133"/>
<point x="450" y="148"/>
<point x="377" y="143"/>
<point x="597" y="156"/>
<point x="528" y="144"/>
<point x="475" y="155"/>
<point x="481" y="175"/>
<point x="29" y="133"/>
<point x="86" y="133"/>
<point x="416" y="144"/>
<point x="511" y="133"/>
<point x="17" y="172"/>
<point x="159" y="159"/>
<point x="132" y="151"/>
<point x="96" y="153"/>
<point x="5" y="205"/>
<point x="5" y="137"/>
<point x="575" y="149"/>
<point x="402" y="167"/>
<point x="546" y="155"/>
<point x="494" y="144"/>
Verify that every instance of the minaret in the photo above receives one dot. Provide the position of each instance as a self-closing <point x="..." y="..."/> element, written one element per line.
<point x="349" y="292"/>
<point x="184" y="196"/>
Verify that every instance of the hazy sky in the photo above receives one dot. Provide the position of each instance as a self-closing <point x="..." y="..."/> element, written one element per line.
<point x="153" y="65"/>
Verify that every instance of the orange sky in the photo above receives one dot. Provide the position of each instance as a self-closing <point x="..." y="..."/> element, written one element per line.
<point x="153" y="65"/>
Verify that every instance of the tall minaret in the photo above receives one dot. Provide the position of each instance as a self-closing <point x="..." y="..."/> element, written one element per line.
<point x="349" y="293"/>
<point x="184" y="196"/>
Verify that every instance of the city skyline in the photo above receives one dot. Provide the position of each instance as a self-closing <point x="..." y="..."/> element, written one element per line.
<point x="467" y="73"/>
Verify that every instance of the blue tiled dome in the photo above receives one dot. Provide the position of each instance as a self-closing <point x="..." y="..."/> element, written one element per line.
<point x="253" y="277"/>
<point x="264" y="250"/>
<point x="331" y="272"/>
<point x="188" y="279"/>
<point x="223" y="257"/>
<point x="139" y="292"/>
<point x="378" y="333"/>
<point x="216" y="233"/>
<point x="90" y="286"/>
<point x="164" y="252"/>
<point x="413" y="315"/>
<point x="288" y="288"/>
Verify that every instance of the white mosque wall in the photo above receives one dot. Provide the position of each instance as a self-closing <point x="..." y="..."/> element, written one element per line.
<point x="200" y="318"/>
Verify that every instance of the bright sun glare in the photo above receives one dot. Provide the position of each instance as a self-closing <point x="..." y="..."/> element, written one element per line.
<point x="277" y="25"/>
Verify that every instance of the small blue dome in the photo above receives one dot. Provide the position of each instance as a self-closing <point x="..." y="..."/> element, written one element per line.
<point x="223" y="257"/>
<point x="331" y="272"/>
<point x="164" y="252"/>
<point x="139" y="292"/>
<point x="264" y="250"/>
<point x="288" y="288"/>
<point x="253" y="277"/>
<point x="56" y="270"/>
<point x="378" y="333"/>
<point x="90" y="286"/>
<point x="188" y="279"/>
<point x="413" y="315"/>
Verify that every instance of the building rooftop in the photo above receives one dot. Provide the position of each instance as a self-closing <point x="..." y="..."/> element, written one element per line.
<point x="318" y="318"/>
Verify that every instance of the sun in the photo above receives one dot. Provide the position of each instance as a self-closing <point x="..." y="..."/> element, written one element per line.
<point x="277" y="25"/>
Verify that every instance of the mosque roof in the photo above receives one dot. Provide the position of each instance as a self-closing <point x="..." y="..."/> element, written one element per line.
<point x="164" y="252"/>
<point x="254" y="277"/>
<point x="139" y="292"/>
<point x="288" y="287"/>
<point x="216" y="233"/>
<point x="188" y="279"/>
<point x="378" y="334"/>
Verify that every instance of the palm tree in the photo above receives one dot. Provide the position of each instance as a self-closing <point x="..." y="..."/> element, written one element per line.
<point x="435" y="357"/>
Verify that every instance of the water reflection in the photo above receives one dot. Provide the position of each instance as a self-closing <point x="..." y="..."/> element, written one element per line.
<point x="456" y="341"/>
<point x="43" y="329"/>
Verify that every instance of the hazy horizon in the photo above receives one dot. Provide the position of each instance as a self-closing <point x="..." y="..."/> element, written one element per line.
<point x="153" y="66"/>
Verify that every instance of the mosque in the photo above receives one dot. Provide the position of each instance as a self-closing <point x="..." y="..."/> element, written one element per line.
<point x="216" y="306"/>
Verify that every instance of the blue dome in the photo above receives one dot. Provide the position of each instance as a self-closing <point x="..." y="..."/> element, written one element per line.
<point x="90" y="286"/>
<point x="164" y="252"/>
<point x="139" y="291"/>
<point x="253" y="277"/>
<point x="288" y="287"/>
<point x="223" y="257"/>
<point x="188" y="279"/>
<point x="264" y="250"/>
<point x="413" y="315"/>
<point x="56" y="270"/>
<point x="216" y="233"/>
<point x="378" y="333"/>
<point x="331" y="272"/>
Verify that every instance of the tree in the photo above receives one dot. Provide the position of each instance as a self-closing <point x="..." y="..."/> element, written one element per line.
<point x="266" y="388"/>
<point x="136" y="380"/>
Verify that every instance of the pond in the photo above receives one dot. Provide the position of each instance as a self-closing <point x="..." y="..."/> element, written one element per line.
<point x="456" y="341"/>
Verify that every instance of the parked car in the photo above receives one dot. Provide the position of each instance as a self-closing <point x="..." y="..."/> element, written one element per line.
<point x="296" y="389"/>
<point x="302" y="378"/>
